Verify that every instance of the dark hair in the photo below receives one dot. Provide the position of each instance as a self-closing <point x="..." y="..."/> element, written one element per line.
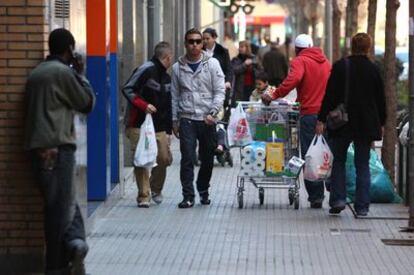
<point x="361" y="44"/>
<point x="263" y="76"/>
<point x="60" y="40"/>
<point x="192" y="31"/>
<point x="211" y="31"/>
<point x="162" y="49"/>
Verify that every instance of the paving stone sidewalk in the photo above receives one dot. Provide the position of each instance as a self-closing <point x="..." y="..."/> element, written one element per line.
<point x="222" y="239"/>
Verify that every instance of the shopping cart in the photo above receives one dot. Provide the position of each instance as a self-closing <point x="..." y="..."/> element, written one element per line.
<point x="276" y="125"/>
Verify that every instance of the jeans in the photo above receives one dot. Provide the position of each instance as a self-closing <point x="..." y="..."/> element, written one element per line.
<point x="63" y="221"/>
<point x="221" y="137"/>
<point x="307" y="132"/>
<point x="339" y="148"/>
<point x="190" y="132"/>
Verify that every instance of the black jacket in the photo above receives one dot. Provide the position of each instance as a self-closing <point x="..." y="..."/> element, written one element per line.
<point x="222" y="55"/>
<point x="149" y="84"/>
<point x="366" y="100"/>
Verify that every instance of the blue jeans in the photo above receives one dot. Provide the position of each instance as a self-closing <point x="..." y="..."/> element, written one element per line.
<point x="339" y="147"/>
<point x="63" y="221"/>
<point x="307" y="132"/>
<point x="190" y="132"/>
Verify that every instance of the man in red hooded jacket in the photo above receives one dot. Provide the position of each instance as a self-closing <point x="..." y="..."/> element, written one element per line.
<point x="309" y="73"/>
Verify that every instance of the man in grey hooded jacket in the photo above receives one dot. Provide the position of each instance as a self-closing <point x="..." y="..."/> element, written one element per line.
<point x="198" y="93"/>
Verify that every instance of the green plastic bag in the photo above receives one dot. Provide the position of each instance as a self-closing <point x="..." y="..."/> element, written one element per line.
<point x="381" y="190"/>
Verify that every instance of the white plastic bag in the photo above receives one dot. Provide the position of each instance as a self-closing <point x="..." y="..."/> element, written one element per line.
<point x="238" y="131"/>
<point x="318" y="160"/>
<point x="146" y="150"/>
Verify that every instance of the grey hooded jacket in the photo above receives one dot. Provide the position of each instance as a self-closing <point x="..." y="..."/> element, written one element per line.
<point x="197" y="94"/>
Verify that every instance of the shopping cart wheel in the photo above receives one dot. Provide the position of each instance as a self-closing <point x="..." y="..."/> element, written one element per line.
<point x="240" y="199"/>
<point x="296" y="202"/>
<point x="261" y="195"/>
<point x="291" y="196"/>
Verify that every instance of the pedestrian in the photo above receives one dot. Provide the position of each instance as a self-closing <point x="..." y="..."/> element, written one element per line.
<point x="148" y="91"/>
<point x="275" y="65"/>
<point x="54" y="91"/>
<point x="309" y="73"/>
<point x="217" y="51"/>
<point x="365" y="105"/>
<point x="263" y="50"/>
<point x="262" y="86"/>
<point x="198" y="92"/>
<point x="244" y="68"/>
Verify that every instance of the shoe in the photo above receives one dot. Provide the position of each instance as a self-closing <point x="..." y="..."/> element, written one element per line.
<point x="78" y="250"/>
<point x="336" y="209"/>
<point x="316" y="205"/>
<point x="144" y="204"/>
<point x="186" y="203"/>
<point x="204" y="200"/>
<point x="362" y="213"/>
<point x="157" y="198"/>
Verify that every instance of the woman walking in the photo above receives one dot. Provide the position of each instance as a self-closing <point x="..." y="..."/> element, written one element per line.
<point x="365" y="103"/>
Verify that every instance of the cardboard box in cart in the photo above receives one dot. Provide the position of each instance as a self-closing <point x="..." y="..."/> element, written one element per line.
<point x="275" y="158"/>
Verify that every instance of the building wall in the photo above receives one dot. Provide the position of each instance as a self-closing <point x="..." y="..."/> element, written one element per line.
<point x="22" y="47"/>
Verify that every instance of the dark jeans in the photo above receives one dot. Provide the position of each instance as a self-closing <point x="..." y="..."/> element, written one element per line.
<point x="338" y="184"/>
<point x="221" y="137"/>
<point x="190" y="132"/>
<point x="63" y="221"/>
<point x="307" y="132"/>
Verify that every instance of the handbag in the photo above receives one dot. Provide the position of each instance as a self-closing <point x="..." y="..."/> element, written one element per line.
<point x="338" y="117"/>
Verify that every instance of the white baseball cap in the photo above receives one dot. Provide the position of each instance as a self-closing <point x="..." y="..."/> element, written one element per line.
<point x="303" y="41"/>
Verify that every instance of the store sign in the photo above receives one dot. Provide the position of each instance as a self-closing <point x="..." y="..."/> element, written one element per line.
<point x="263" y="20"/>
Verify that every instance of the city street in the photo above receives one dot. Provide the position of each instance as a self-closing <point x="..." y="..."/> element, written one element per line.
<point x="223" y="239"/>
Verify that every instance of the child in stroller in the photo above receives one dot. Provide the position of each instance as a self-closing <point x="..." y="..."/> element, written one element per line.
<point x="223" y="154"/>
<point x="222" y="151"/>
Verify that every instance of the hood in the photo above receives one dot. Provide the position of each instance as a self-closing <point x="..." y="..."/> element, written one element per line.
<point x="182" y="60"/>
<point x="314" y="54"/>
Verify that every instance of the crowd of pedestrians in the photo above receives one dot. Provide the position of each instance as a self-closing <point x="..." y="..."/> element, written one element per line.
<point x="187" y="102"/>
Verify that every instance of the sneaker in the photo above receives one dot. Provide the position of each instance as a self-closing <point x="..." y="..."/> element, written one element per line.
<point x="204" y="200"/>
<point x="157" y="198"/>
<point x="79" y="249"/>
<point x="316" y="205"/>
<point x="186" y="203"/>
<point x="336" y="209"/>
<point x="144" y="204"/>
<point x="362" y="213"/>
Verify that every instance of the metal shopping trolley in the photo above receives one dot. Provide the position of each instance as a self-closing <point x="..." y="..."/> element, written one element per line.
<point x="277" y="128"/>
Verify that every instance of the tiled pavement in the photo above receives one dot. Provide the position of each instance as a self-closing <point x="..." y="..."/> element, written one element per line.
<point x="222" y="239"/>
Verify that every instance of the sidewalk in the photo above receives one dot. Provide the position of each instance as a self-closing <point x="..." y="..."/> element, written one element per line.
<point x="222" y="239"/>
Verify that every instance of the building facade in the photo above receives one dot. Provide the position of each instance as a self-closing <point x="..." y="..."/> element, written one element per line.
<point x="114" y="36"/>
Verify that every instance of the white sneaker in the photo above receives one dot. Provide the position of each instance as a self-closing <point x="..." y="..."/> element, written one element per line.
<point x="157" y="198"/>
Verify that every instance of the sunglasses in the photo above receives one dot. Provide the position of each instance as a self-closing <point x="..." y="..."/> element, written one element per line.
<point x="196" y="41"/>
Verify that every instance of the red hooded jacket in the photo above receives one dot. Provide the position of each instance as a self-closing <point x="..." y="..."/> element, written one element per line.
<point x="309" y="73"/>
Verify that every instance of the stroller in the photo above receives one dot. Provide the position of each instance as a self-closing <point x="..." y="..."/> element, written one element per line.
<point x="221" y="133"/>
<point x="223" y="156"/>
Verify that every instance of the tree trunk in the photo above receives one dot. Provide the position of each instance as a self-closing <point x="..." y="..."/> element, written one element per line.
<point x="372" y="16"/>
<point x="303" y="22"/>
<point x="336" y="31"/>
<point x="390" y="132"/>
<point x="351" y="23"/>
